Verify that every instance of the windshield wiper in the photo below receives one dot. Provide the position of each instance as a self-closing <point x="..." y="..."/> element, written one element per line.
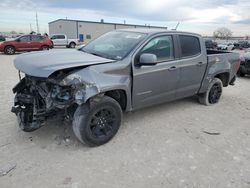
<point x="99" y="55"/>
<point x="96" y="54"/>
<point x="93" y="53"/>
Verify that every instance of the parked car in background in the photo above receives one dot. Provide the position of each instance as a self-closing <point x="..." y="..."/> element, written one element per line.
<point x="241" y="44"/>
<point x="244" y="65"/>
<point x="210" y="44"/>
<point x="26" y="43"/>
<point x="63" y="40"/>
<point x="225" y="46"/>
<point x="122" y="70"/>
<point x="2" y="38"/>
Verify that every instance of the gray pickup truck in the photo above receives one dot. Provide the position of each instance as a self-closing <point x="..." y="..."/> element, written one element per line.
<point x="122" y="70"/>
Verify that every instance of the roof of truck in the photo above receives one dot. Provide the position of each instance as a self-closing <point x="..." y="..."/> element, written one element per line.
<point x="155" y="31"/>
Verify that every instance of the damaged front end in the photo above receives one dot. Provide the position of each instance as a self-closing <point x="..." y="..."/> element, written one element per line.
<point x="40" y="98"/>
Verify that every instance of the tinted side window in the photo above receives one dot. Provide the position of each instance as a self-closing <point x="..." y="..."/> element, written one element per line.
<point x="25" y="39"/>
<point x="190" y="45"/>
<point x="60" y="37"/>
<point x="162" y="47"/>
<point x="36" y="38"/>
<point x="53" y="37"/>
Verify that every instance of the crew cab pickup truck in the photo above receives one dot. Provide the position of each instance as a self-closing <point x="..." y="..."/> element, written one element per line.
<point x="244" y="65"/>
<point x="63" y="40"/>
<point x="122" y="70"/>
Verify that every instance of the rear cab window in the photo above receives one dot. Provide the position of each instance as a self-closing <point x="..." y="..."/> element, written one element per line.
<point x="190" y="46"/>
<point x="57" y="37"/>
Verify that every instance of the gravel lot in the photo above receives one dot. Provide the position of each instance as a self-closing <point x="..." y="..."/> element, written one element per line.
<point x="161" y="146"/>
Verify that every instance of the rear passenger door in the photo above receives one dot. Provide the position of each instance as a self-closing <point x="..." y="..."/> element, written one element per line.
<point x="36" y="41"/>
<point x="192" y="65"/>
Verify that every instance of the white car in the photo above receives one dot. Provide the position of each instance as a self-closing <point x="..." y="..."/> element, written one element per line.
<point x="225" y="46"/>
<point x="62" y="40"/>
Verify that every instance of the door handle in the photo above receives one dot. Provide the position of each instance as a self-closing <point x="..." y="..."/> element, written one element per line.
<point x="172" y="68"/>
<point x="199" y="64"/>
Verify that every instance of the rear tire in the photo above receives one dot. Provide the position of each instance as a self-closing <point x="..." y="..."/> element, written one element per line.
<point x="97" y="123"/>
<point x="44" y="48"/>
<point x="9" y="50"/>
<point x="240" y="72"/>
<point x="213" y="93"/>
<point x="72" y="45"/>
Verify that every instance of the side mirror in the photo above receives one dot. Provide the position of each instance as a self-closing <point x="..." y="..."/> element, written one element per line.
<point x="148" y="59"/>
<point x="18" y="40"/>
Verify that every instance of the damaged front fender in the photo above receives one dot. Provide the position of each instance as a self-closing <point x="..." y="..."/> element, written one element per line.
<point x="90" y="82"/>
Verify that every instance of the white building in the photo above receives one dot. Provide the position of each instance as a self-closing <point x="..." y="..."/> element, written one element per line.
<point x="87" y="30"/>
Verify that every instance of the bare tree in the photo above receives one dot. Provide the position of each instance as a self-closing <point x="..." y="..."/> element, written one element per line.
<point x="13" y="32"/>
<point x="223" y="33"/>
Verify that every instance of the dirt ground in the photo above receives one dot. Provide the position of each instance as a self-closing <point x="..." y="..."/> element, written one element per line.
<point x="161" y="146"/>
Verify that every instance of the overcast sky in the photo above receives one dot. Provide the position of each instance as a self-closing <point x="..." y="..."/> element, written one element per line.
<point x="201" y="16"/>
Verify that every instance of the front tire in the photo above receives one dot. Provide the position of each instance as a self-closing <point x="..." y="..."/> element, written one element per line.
<point x="213" y="93"/>
<point x="9" y="50"/>
<point x="97" y="122"/>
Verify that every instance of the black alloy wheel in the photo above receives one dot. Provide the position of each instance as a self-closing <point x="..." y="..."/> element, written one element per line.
<point x="96" y="123"/>
<point x="215" y="93"/>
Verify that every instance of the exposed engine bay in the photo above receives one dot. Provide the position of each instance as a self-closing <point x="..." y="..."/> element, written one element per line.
<point x="39" y="98"/>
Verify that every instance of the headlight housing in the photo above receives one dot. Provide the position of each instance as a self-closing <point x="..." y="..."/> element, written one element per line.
<point x="72" y="79"/>
<point x="78" y="86"/>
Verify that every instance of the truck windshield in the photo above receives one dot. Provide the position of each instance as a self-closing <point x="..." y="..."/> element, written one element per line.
<point x="114" y="45"/>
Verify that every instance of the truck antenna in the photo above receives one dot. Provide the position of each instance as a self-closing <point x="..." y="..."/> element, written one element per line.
<point x="176" y="27"/>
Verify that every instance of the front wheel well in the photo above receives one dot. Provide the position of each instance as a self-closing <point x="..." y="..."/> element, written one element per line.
<point x="120" y="96"/>
<point x="9" y="46"/>
<point x="224" y="77"/>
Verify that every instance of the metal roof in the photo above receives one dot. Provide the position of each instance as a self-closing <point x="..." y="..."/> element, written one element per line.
<point x="107" y="23"/>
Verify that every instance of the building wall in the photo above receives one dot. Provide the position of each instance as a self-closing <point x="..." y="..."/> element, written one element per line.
<point x="89" y="30"/>
<point x="93" y="30"/>
<point x="64" y="27"/>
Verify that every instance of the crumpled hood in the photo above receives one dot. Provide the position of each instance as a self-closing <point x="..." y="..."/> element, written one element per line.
<point x="43" y="64"/>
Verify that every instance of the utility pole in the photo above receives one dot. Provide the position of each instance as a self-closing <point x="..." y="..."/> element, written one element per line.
<point x="30" y="28"/>
<point x="37" y="26"/>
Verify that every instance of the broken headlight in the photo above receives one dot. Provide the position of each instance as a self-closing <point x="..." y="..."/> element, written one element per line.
<point x="61" y="94"/>
<point x="72" y="79"/>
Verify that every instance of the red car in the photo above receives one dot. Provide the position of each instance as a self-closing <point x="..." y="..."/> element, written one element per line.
<point x="26" y="43"/>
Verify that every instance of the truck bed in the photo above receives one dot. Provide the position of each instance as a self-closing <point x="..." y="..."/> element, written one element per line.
<point x="211" y="52"/>
<point x="223" y="61"/>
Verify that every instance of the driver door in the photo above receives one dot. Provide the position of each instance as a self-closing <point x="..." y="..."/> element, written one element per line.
<point x="157" y="83"/>
<point x="23" y="43"/>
